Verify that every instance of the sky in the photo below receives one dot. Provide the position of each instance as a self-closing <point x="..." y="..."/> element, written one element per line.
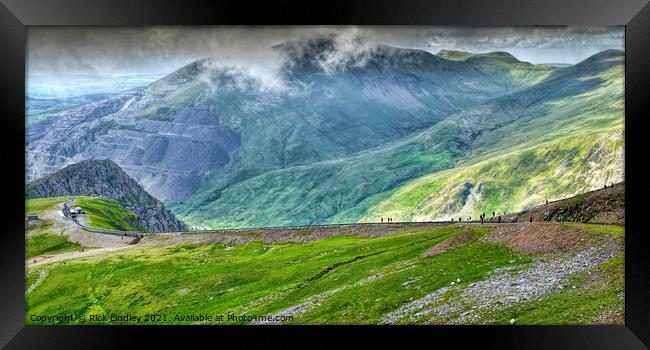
<point x="59" y="57"/>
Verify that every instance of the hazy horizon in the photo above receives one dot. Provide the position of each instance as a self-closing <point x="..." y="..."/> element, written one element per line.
<point x="60" y="58"/>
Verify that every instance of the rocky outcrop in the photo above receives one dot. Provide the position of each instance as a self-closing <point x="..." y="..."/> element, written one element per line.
<point x="104" y="178"/>
<point x="604" y="206"/>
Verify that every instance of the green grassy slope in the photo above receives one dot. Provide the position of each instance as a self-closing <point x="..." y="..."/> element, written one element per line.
<point x="102" y="212"/>
<point x="351" y="279"/>
<point x="40" y="205"/>
<point x="549" y="150"/>
<point x="46" y="243"/>
<point x="240" y="277"/>
<point x="44" y="236"/>
<point x="505" y="184"/>
<point x="601" y="288"/>
<point x="108" y="214"/>
<point x="581" y="101"/>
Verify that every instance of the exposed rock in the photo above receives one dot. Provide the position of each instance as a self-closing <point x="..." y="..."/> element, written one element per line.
<point x="104" y="178"/>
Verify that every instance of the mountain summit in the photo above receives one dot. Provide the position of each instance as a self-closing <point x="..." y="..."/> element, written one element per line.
<point x="355" y="123"/>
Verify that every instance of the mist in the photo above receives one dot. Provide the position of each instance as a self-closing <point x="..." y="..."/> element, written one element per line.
<point x="60" y="55"/>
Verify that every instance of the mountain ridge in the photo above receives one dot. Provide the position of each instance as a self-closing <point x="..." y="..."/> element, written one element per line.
<point x="202" y="134"/>
<point x="104" y="178"/>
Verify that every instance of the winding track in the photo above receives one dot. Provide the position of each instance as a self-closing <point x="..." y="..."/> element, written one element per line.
<point x="66" y="213"/>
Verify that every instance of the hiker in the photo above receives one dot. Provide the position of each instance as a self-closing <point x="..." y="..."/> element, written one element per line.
<point x="499" y="219"/>
<point x="547" y="201"/>
<point x="481" y="220"/>
<point x="382" y="219"/>
<point x="530" y="218"/>
<point x="460" y="219"/>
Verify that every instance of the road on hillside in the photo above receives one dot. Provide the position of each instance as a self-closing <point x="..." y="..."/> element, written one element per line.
<point x="66" y="213"/>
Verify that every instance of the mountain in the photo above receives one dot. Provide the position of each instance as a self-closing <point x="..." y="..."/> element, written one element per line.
<point x="579" y="108"/>
<point x="559" y="138"/>
<point x="348" y="128"/>
<point x="204" y="119"/>
<point x="104" y="178"/>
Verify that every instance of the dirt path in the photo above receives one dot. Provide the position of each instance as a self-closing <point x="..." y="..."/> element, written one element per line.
<point x="45" y="259"/>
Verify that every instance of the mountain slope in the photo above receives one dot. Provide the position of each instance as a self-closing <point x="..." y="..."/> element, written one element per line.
<point x="205" y="119"/>
<point x="345" y="132"/>
<point x="584" y="99"/>
<point x="565" y="145"/>
<point x="104" y="178"/>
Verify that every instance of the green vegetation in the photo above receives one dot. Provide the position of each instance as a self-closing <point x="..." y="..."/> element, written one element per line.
<point x="108" y="214"/>
<point x="614" y="230"/>
<point x="558" y="133"/>
<point x="505" y="184"/>
<point x="41" y="244"/>
<point x="601" y="294"/>
<point x="258" y="278"/>
<point x="335" y="280"/>
<point x="44" y="236"/>
<point x="41" y="205"/>
<point x="102" y="212"/>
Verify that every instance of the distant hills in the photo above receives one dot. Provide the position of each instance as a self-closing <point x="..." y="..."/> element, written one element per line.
<point x="354" y="135"/>
<point x="104" y="178"/>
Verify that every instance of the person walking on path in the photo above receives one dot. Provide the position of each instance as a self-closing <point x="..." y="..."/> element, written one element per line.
<point x="382" y="219"/>
<point x="530" y="218"/>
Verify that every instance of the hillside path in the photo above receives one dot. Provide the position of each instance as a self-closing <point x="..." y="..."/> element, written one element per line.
<point x="70" y="255"/>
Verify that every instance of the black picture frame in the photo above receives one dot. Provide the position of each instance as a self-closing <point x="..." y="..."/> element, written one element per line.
<point x="15" y="15"/>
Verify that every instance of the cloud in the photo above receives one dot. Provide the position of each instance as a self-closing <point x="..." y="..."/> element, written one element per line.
<point x="63" y="51"/>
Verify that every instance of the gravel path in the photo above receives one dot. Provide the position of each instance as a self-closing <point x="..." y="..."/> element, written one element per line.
<point x="503" y="287"/>
<point x="41" y="277"/>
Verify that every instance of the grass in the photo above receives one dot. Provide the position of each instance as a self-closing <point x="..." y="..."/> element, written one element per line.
<point x="44" y="237"/>
<point x="41" y="205"/>
<point x="102" y="212"/>
<point x="508" y="183"/>
<point x="41" y="244"/>
<point x="258" y="278"/>
<point x="614" y="230"/>
<point x="347" y="280"/>
<point x="108" y="214"/>
<point x="557" y="138"/>
<point x="600" y="291"/>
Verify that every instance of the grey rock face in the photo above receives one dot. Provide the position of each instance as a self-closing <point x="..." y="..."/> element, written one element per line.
<point x="104" y="178"/>
<point x="168" y="157"/>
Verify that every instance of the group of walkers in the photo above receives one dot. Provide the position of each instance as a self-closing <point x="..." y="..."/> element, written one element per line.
<point x="388" y="220"/>
<point x="482" y="218"/>
<point x="492" y="219"/>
